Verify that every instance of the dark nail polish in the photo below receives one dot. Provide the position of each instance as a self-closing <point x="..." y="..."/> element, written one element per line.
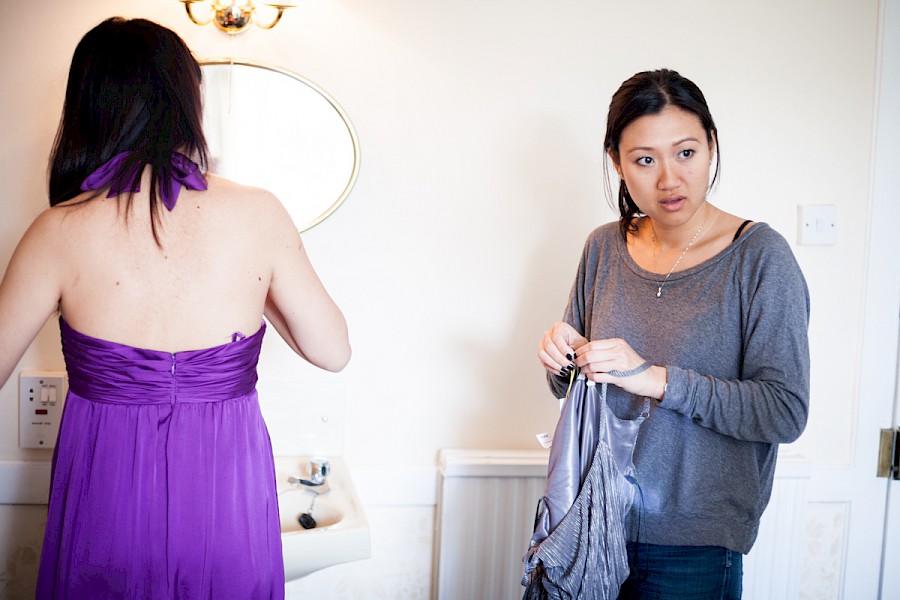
<point x="570" y="356"/>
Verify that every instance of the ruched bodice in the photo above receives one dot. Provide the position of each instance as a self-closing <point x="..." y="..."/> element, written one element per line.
<point x="103" y="371"/>
<point x="163" y="479"/>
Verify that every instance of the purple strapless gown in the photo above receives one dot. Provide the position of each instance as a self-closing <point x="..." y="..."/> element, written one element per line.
<point x="163" y="478"/>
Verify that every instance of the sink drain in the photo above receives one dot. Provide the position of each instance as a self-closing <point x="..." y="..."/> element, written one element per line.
<point x="306" y="521"/>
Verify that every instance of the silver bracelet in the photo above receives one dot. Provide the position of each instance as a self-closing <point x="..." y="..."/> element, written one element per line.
<point x="646" y="365"/>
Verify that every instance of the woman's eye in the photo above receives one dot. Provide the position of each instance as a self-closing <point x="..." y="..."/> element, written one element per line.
<point x="644" y="160"/>
<point x="686" y="153"/>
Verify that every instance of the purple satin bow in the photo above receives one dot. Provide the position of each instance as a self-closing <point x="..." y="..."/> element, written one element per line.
<point x="184" y="172"/>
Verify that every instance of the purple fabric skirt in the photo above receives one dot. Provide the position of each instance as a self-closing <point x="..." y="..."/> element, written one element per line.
<point x="163" y="479"/>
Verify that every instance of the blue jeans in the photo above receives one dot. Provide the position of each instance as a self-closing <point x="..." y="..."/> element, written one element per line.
<point x="682" y="573"/>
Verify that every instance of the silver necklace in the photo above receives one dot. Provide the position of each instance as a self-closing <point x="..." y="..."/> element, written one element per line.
<point x="686" y="248"/>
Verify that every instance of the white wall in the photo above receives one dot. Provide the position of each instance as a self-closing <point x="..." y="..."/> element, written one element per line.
<point x="481" y="126"/>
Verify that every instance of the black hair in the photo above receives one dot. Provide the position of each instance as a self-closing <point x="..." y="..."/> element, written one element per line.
<point x="648" y="93"/>
<point x="133" y="86"/>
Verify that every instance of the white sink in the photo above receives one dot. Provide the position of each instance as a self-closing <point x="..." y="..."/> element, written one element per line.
<point x="341" y="533"/>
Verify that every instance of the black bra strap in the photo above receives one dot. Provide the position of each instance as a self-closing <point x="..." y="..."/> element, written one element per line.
<point x="741" y="229"/>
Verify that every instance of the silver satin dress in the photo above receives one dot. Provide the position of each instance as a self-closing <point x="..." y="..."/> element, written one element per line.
<point x="578" y="546"/>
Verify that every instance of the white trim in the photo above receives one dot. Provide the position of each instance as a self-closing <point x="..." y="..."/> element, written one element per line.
<point x="883" y="250"/>
<point x="28" y="482"/>
<point x="493" y="463"/>
<point x="857" y="485"/>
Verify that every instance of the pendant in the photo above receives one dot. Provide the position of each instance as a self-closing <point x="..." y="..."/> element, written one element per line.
<point x="659" y="292"/>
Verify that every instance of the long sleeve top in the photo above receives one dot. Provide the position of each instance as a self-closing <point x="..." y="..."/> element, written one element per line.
<point x="732" y="334"/>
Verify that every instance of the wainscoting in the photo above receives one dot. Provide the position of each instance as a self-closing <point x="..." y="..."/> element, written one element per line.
<point x="485" y="517"/>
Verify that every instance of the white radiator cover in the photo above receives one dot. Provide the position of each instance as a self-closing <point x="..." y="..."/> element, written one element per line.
<point x="486" y="504"/>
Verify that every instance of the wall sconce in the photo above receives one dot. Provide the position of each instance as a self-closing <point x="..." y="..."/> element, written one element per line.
<point x="233" y="16"/>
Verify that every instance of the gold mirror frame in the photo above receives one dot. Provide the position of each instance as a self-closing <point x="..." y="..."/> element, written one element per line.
<point x="351" y="131"/>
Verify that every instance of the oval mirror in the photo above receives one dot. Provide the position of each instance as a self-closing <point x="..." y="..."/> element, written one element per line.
<point x="270" y="128"/>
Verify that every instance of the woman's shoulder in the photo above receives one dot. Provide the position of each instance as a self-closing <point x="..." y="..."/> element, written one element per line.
<point x="44" y="236"/>
<point x="761" y="238"/>
<point x="599" y="246"/>
<point x="227" y="190"/>
<point x="763" y="250"/>
<point x="604" y="235"/>
<point x="50" y="221"/>
<point x="244" y="203"/>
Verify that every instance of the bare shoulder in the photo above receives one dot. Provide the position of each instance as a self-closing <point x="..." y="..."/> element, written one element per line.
<point x="727" y="226"/>
<point x="250" y="205"/>
<point x="232" y="191"/>
<point x="40" y="244"/>
<point x="48" y="225"/>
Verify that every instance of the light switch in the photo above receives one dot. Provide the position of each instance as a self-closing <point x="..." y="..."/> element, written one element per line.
<point x="817" y="224"/>
<point x="41" y="400"/>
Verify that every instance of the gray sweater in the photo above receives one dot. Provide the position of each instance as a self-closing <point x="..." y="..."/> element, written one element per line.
<point x="732" y="333"/>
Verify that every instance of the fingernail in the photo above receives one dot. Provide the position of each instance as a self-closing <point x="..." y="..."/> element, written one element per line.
<point x="571" y="367"/>
<point x="570" y="356"/>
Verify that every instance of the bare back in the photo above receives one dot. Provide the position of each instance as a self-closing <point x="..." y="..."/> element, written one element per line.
<point x="227" y="257"/>
<point x="208" y="278"/>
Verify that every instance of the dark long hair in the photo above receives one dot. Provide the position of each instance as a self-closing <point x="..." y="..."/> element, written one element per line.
<point x="648" y="93"/>
<point x="133" y="86"/>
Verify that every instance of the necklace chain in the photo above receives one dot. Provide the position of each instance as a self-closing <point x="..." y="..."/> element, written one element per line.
<point x="683" y="252"/>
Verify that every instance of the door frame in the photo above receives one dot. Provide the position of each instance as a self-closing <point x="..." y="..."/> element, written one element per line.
<point x="883" y="251"/>
<point x="868" y="526"/>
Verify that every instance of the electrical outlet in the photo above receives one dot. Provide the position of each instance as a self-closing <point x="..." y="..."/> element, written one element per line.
<point x="41" y="398"/>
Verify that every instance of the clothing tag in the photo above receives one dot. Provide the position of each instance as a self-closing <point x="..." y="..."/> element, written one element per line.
<point x="545" y="439"/>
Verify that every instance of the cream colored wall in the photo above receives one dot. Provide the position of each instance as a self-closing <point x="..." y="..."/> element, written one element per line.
<point x="481" y="126"/>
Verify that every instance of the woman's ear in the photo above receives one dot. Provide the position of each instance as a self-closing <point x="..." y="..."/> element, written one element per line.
<point x="615" y="163"/>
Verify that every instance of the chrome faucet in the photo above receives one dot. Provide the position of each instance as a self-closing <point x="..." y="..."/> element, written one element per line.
<point x="319" y="469"/>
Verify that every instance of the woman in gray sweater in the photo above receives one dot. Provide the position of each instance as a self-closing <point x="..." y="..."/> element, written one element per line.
<point x="705" y="313"/>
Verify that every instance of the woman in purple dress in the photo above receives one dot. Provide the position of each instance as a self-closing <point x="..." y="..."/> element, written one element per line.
<point x="163" y="480"/>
